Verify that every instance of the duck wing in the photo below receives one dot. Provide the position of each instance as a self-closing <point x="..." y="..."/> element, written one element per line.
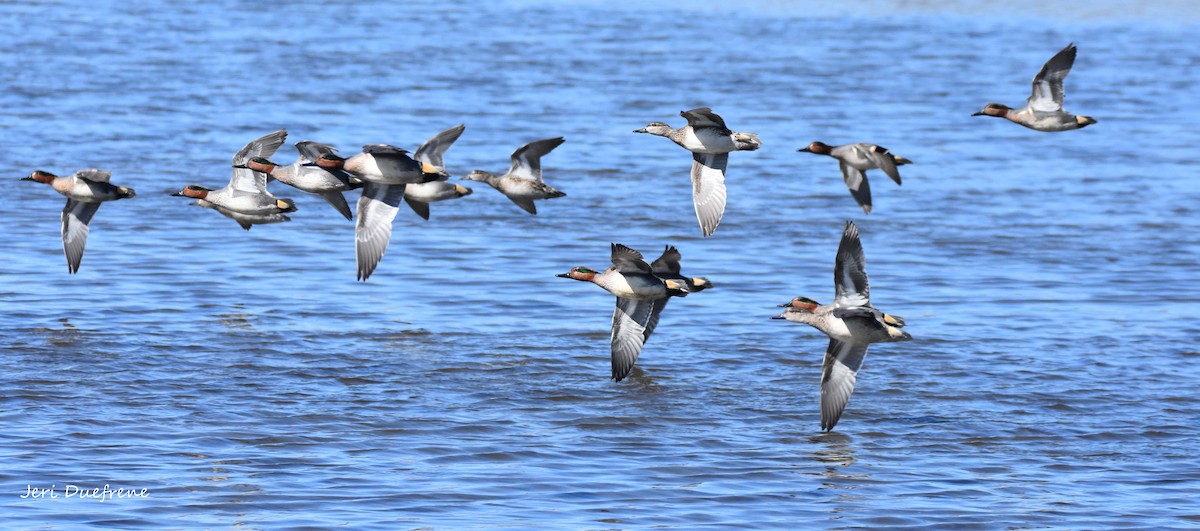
<point x="1048" y="83"/>
<point x="626" y="260"/>
<point x="703" y="117"/>
<point x="75" y="218"/>
<point x="884" y="160"/>
<point x="629" y="332"/>
<point x="339" y="203"/>
<point x="708" y="189"/>
<point x="311" y="151"/>
<point x="838" y="374"/>
<point x="430" y="153"/>
<point x="247" y="180"/>
<point x="856" y="182"/>
<point x="849" y="271"/>
<point x="376" y="209"/>
<point x="668" y="263"/>
<point x="93" y="175"/>
<point x="527" y="159"/>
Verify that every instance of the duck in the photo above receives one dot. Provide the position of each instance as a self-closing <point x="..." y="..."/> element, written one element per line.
<point x="710" y="141"/>
<point x="318" y="170"/>
<point x="851" y="323"/>
<point x="85" y="191"/>
<point x="637" y="289"/>
<point x="855" y="160"/>
<point x="385" y="171"/>
<point x="246" y="194"/>
<point x="430" y="155"/>
<point x="247" y="221"/>
<point x="666" y="267"/>
<point x="523" y="183"/>
<point x="1043" y="111"/>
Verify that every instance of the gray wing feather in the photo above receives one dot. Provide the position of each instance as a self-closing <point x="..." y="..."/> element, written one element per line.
<point x="856" y="182"/>
<point x="311" y="151"/>
<point x="708" y="189"/>
<point x="264" y="147"/>
<point x="339" y="203"/>
<point x="94" y="175"/>
<point x="526" y="203"/>
<point x="527" y="159"/>
<point x="627" y="260"/>
<point x="628" y="334"/>
<point x="1047" y="93"/>
<point x="668" y="263"/>
<point x="432" y="151"/>
<point x="703" y="117"/>
<point x="376" y="209"/>
<point x="884" y="160"/>
<point x="420" y="207"/>
<point x="842" y="361"/>
<point x="75" y="218"/>
<point x="850" y="271"/>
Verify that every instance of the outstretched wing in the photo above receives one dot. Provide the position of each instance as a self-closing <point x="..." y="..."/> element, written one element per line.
<point x="703" y="117"/>
<point x="527" y="159"/>
<point x="627" y="260"/>
<point x="1048" y="83"/>
<point x="376" y="209"/>
<point x="708" y="189"/>
<point x="850" y="271"/>
<point x="839" y="372"/>
<point x="628" y="334"/>
<point x="668" y="263"/>
<point x="883" y="159"/>
<point x="311" y="151"/>
<point x="430" y="153"/>
<point x="856" y="182"/>
<point x="75" y="218"/>
<point x="247" y="180"/>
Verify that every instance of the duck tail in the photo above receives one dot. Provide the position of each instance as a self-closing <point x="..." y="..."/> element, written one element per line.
<point x="555" y="193"/>
<point x="900" y="161"/>
<point x="699" y="284"/>
<point x="124" y="193"/>
<point x="747" y="141"/>
<point x="676" y="288"/>
<point x="285" y="205"/>
<point x="894" y="320"/>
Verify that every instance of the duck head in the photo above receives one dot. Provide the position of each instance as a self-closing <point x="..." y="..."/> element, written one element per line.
<point x="259" y="164"/>
<point x="998" y="110"/>
<point x="820" y="148"/>
<point x="803" y="304"/>
<point x="41" y="177"/>
<point x="656" y="128"/>
<point x="193" y="191"/>
<point x="579" y="273"/>
<point x="329" y="161"/>
<point x="478" y="175"/>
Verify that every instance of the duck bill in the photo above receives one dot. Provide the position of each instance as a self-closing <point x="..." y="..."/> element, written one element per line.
<point x="563" y="275"/>
<point x="806" y="150"/>
<point x="642" y="130"/>
<point x="980" y="113"/>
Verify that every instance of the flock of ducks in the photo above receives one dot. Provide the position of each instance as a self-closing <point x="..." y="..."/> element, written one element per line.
<point x="386" y="175"/>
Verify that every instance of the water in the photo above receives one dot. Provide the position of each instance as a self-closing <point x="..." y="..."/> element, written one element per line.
<point x="246" y="379"/>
